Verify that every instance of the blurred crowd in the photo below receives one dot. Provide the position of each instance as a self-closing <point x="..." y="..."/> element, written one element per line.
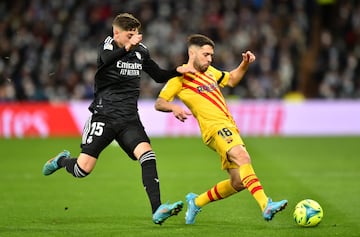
<point x="304" y="48"/>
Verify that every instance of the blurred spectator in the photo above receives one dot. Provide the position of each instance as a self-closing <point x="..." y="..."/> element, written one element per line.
<point x="310" y="47"/>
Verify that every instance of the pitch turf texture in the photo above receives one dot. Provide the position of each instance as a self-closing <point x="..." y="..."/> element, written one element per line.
<point x="112" y="202"/>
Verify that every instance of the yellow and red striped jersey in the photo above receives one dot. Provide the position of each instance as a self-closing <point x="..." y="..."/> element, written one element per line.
<point x="201" y="93"/>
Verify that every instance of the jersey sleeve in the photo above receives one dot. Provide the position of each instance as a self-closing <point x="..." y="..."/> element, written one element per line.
<point x="109" y="52"/>
<point x="171" y="89"/>
<point x="222" y="77"/>
<point x="152" y="68"/>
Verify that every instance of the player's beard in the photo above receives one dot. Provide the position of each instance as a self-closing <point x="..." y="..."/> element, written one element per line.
<point x="199" y="67"/>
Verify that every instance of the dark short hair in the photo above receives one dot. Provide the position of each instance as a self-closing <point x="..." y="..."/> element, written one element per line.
<point x="199" y="40"/>
<point x="126" y="21"/>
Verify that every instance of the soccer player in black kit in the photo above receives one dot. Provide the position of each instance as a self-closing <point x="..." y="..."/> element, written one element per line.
<point x="121" y="59"/>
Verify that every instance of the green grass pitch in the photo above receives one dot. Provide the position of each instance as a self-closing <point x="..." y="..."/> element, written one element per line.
<point x="111" y="201"/>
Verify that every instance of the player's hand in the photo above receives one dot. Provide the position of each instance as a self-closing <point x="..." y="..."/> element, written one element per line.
<point x="248" y="57"/>
<point x="134" y="41"/>
<point x="185" y="69"/>
<point x="180" y="113"/>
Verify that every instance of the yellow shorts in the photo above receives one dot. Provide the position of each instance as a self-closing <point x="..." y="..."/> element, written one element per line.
<point x="222" y="141"/>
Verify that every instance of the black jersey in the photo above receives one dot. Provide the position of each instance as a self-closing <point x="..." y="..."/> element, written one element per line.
<point x="117" y="79"/>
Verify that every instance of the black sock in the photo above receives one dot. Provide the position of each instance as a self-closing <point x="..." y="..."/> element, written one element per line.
<point x="61" y="161"/>
<point x="150" y="179"/>
<point x="72" y="167"/>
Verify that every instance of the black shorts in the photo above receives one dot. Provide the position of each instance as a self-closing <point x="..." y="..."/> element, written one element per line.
<point x="99" y="131"/>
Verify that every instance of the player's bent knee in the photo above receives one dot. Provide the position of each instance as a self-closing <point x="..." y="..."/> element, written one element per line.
<point x="239" y="155"/>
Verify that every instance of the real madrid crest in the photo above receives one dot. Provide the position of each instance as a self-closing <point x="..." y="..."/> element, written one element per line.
<point x="138" y="55"/>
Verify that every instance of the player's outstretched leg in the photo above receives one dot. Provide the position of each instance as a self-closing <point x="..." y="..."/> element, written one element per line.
<point x="166" y="210"/>
<point x="192" y="209"/>
<point x="272" y="208"/>
<point x="52" y="165"/>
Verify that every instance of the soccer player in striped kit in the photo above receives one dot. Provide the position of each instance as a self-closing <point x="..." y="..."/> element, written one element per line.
<point x="200" y="92"/>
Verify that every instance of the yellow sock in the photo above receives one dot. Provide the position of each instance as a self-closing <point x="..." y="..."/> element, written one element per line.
<point x="252" y="183"/>
<point x="220" y="191"/>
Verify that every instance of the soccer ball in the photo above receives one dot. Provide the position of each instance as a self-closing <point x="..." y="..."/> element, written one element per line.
<point x="308" y="213"/>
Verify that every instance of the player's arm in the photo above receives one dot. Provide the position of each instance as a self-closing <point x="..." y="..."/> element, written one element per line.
<point x="238" y="73"/>
<point x="108" y="57"/>
<point x="165" y="106"/>
<point x="158" y="74"/>
<point x="161" y="75"/>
